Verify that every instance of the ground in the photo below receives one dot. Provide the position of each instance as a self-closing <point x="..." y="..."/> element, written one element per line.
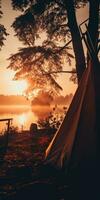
<point x="23" y="174"/>
<point x="22" y="171"/>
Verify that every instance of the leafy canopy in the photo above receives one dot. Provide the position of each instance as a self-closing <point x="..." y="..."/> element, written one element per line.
<point x="44" y="21"/>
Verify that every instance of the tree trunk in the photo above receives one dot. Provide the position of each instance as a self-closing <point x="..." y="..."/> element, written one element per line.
<point x="94" y="22"/>
<point x="93" y="31"/>
<point x="76" y="38"/>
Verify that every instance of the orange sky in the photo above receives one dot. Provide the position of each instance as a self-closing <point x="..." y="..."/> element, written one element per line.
<point x="7" y="86"/>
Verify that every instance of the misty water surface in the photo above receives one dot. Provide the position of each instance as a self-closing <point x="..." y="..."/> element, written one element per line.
<point x="22" y="116"/>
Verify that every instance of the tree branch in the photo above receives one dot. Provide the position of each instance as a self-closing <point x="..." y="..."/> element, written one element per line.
<point x="64" y="46"/>
<point x="55" y="72"/>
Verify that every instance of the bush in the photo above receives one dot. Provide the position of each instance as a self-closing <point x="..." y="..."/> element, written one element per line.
<point x="54" y="119"/>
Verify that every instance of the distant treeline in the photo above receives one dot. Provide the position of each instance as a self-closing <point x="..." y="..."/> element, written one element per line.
<point x="13" y="100"/>
<point x="63" y="100"/>
<point x="46" y="100"/>
<point x="43" y="99"/>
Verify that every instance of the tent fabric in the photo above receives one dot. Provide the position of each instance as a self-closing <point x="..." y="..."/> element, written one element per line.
<point x="75" y="140"/>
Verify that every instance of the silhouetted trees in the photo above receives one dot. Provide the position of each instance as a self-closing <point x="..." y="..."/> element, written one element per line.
<point x="3" y="32"/>
<point x="43" y="99"/>
<point x="54" y="24"/>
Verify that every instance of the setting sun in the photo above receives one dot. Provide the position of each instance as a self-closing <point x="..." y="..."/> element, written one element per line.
<point x="13" y="87"/>
<point x="21" y="86"/>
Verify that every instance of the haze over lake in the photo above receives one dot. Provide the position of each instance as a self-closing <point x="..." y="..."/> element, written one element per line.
<point x="24" y="112"/>
<point x="22" y="116"/>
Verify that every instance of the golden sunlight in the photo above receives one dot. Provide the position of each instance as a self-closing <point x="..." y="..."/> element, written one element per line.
<point x="8" y="86"/>
<point x="21" y="86"/>
<point x="22" y="119"/>
<point x="32" y="94"/>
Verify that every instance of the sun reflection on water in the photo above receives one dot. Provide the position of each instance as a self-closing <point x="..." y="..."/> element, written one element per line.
<point x="22" y="120"/>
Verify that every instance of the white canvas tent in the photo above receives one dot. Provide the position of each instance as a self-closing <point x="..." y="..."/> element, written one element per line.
<point x="75" y="141"/>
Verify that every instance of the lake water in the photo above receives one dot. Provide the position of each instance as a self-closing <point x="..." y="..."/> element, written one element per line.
<point x="22" y="116"/>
